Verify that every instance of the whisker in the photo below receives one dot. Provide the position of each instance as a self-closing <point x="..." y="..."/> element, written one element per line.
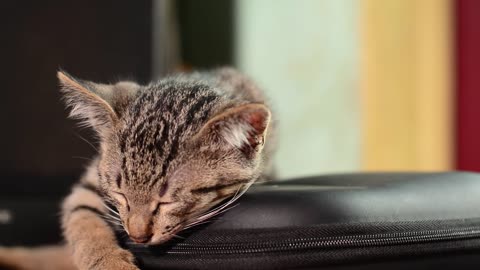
<point x="220" y="206"/>
<point x="85" y="140"/>
<point x="111" y="210"/>
<point x="113" y="217"/>
<point x="226" y="209"/>
<point x="114" y="223"/>
<point x="84" y="158"/>
<point x="235" y="197"/>
<point x="220" y="209"/>
<point x="109" y="218"/>
<point x="121" y="230"/>
<point x="196" y="224"/>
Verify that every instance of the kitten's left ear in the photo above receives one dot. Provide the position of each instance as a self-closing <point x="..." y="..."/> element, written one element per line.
<point x="98" y="105"/>
<point x="243" y="127"/>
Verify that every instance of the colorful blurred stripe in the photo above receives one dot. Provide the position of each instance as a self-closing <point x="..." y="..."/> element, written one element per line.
<point x="406" y="86"/>
<point x="467" y="14"/>
<point x="305" y="55"/>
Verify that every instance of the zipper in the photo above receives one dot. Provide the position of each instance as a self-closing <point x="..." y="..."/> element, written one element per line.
<point x="352" y="241"/>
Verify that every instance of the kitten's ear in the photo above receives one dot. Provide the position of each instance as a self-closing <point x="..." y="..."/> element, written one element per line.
<point x="243" y="127"/>
<point x="89" y="102"/>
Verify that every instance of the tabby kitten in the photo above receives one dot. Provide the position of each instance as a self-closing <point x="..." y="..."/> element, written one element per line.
<point x="169" y="152"/>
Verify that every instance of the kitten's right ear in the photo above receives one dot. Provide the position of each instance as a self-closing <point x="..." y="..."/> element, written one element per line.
<point x="243" y="128"/>
<point x="88" y="102"/>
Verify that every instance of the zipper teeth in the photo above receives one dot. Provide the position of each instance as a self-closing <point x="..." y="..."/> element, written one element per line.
<point x="328" y="242"/>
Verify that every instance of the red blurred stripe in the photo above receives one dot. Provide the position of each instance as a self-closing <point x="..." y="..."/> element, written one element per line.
<point x="468" y="84"/>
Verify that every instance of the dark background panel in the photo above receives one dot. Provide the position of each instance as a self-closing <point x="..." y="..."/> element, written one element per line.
<point x="99" y="40"/>
<point x="206" y="32"/>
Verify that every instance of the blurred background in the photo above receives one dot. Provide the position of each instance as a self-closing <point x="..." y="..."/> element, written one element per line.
<point x="356" y="85"/>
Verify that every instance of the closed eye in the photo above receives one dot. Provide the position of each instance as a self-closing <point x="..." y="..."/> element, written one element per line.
<point x="121" y="199"/>
<point x="157" y="207"/>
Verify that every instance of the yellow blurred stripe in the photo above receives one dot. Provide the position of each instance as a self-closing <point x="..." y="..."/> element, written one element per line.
<point x="406" y="84"/>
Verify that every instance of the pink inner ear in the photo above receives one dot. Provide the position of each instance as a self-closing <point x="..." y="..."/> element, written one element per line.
<point x="241" y="127"/>
<point x="257" y="121"/>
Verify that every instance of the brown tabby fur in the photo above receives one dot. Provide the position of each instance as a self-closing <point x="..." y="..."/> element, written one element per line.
<point x="169" y="151"/>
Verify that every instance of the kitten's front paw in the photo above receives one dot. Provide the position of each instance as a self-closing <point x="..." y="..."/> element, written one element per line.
<point x="122" y="260"/>
<point x="111" y="259"/>
<point x="12" y="259"/>
<point x="5" y="261"/>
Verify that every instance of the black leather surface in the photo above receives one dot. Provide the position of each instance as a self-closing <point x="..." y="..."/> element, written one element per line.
<point x="345" y="198"/>
<point x="331" y="206"/>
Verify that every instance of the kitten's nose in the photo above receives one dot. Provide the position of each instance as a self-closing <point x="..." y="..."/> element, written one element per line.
<point x="139" y="228"/>
<point x="141" y="239"/>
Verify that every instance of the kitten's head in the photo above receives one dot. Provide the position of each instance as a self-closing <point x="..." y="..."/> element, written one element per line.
<point x="169" y="151"/>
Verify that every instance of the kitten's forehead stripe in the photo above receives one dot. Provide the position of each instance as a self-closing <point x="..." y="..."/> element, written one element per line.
<point x="118" y="181"/>
<point x="160" y="143"/>
<point x="124" y="162"/>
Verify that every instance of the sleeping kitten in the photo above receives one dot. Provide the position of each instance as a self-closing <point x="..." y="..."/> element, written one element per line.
<point x="169" y="152"/>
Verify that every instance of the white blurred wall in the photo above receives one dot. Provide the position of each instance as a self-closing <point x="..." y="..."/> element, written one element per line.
<point x="304" y="54"/>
